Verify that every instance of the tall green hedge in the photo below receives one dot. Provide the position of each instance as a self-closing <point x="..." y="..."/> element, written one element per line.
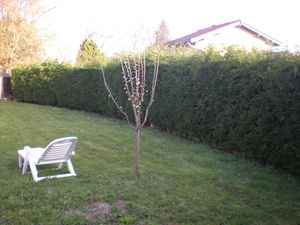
<point x="36" y="83"/>
<point x="248" y="103"/>
<point x="245" y="103"/>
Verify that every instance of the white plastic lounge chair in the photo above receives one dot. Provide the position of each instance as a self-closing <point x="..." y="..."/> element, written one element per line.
<point x="57" y="151"/>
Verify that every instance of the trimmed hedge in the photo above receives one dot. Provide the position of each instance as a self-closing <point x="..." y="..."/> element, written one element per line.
<point x="36" y="83"/>
<point x="244" y="103"/>
<point x="247" y="103"/>
<point x="62" y="85"/>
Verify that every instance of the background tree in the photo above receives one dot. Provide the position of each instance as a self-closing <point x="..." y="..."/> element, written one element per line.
<point x="134" y="76"/>
<point x="162" y="34"/>
<point x="20" y="42"/>
<point x="89" y="53"/>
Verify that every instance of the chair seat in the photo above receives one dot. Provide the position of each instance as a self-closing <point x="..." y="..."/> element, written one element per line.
<point x="36" y="153"/>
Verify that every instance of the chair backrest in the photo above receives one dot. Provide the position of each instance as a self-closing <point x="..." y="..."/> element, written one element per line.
<point x="58" y="150"/>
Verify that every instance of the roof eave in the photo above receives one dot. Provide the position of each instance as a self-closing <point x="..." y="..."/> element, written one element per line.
<point x="178" y="42"/>
<point x="259" y="33"/>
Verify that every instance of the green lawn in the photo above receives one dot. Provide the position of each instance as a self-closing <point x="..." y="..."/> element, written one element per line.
<point x="181" y="182"/>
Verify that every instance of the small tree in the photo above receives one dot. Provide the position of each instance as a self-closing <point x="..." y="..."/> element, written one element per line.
<point x="162" y="34"/>
<point x="88" y="53"/>
<point x="134" y="77"/>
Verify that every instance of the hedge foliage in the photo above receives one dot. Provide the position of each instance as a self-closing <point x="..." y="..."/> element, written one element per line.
<point x="247" y="103"/>
<point x="36" y="83"/>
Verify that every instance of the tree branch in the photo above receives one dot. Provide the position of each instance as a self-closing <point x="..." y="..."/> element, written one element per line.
<point x="112" y="97"/>
<point x="154" y="82"/>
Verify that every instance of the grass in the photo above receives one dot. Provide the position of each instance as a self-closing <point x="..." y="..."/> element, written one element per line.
<point x="181" y="182"/>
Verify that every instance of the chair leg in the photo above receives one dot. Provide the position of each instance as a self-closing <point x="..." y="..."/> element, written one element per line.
<point x="20" y="161"/>
<point x="25" y="165"/>
<point x="70" y="167"/>
<point x="34" y="171"/>
<point x="59" y="165"/>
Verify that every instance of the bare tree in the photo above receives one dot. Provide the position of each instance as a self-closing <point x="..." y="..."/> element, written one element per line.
<point x="134" y="76"/>
<point x="162" y="34"/>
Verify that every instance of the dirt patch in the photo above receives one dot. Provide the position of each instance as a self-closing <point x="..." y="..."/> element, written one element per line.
<point x="92" y="210"/>
<point x="121" y="205"/>
<point x="96" y="209"/>
<point x="99" y="209"/>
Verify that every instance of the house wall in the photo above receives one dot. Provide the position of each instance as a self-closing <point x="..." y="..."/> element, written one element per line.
<point x="231" y="36"/>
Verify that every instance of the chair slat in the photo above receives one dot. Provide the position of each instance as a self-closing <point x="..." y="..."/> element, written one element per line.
<point x="58" y="151"/>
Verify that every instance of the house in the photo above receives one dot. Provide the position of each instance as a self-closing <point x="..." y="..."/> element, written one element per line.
<point x="5" y="86"/>
<point x="227" y="34"/>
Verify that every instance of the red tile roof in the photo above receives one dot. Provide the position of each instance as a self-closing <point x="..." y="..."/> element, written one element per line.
<point x="201" y="32"/>
<point x="198" y="33"/>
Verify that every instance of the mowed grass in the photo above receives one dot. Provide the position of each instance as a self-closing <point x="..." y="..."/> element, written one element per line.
<point x="181" y="182"/>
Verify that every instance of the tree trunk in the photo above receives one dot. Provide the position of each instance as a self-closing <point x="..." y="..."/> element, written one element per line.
<point x="137" y="151"/>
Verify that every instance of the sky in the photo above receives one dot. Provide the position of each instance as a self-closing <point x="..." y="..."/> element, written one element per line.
<point x="119" y="25"/>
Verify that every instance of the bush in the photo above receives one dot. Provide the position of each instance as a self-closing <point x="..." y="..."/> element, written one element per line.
<point x="247" y="103"/>
<point x="36" y="83"/>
